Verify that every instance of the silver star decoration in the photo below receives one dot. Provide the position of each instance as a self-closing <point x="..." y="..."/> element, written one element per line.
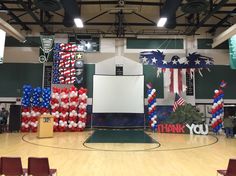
<point x="197" y="62"/>
<point x="145" y="60"/>
<point x="186" y="62"/>
<point x="208" y="62"/>
<point x="79" y="56"/>
<point x="174" y="62"/>
<point x="154" y="60"/>
<point x="164" y="62"/>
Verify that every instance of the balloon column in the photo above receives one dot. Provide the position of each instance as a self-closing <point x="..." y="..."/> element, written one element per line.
<point x="25" y="120"/>
<point x="73" y="115"/>
<point x="46" y="96"/>
<point x="64" y="108"/>
<point x="82" y="108"/>
<point x="36" y="110"/>
<point x="217" y="110"/>
<point x="56" y="61"/>
<point x="152" y="114"/>
<point x="55" y="106"/>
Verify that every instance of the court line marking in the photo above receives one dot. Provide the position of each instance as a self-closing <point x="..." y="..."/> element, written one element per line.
<point x="190" y="148"/>
<point x="154" y="149"/>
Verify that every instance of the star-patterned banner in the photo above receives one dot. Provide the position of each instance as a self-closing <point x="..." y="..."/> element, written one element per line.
<point x="176" y="66"/>
<point x="157" y="59"/>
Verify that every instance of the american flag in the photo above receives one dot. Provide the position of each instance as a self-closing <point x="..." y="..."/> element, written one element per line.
<point x="179" y="101"/>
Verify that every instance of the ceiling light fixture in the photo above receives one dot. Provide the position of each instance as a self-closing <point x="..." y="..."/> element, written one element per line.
<point x="161" y="22"/>
<point x="78" y="23"/>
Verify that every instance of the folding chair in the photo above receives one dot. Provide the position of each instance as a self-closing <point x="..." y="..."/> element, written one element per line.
<point x="40" y="167"/>
<point x="11" y="166"/>
<point x="231" y="170"/>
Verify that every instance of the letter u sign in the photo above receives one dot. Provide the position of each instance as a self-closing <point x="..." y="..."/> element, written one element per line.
<point x="201" y="129"/>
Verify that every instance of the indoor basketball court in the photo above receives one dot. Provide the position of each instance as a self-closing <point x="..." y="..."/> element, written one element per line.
<point x="170" y="154"/>
<point x="118" y="87"/>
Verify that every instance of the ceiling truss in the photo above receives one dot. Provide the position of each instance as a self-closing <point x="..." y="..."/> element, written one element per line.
<point x="17" y="9"/>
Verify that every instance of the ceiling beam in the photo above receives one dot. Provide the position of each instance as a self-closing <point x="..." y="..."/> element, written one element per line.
<point x="14" y="17"/>
<point x="11" y="30"/>
<point x="99" y="2"/>
<point x="152" y="22"/>
<point x="25" y="6"/>
<point x="224" y="36"/>
<point x="96" y="16"/>
<point x="215" y="9"/>
<point x="110" y="23"/>
<point x="222" y="21"/>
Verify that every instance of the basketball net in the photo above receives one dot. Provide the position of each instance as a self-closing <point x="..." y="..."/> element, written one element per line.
<point x="47" y="46"/>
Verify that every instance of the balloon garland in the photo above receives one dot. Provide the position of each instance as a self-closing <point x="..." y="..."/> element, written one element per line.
<point x="82" y="108"/>
<point x="25" y="119"/>
<point x="152" y="114"/>
<point x="64" y="108"/>
<point x="73" y="115"/>
<point x="217" y="110"/>
<point x="55" y="106"/>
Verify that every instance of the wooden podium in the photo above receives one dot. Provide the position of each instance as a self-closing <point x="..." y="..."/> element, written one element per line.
<point x="45" y="126"/>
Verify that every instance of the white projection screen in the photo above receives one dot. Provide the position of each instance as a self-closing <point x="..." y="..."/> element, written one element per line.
<point x="118" y="94"/>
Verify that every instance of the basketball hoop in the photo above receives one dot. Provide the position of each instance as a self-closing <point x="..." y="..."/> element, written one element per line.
<point x="47" y="46"/>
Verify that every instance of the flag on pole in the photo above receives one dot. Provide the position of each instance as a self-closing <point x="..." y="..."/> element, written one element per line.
<point x="179" y="101"/>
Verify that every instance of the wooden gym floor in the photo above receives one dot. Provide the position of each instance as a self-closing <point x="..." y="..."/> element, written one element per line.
<point x="172" y="155"/>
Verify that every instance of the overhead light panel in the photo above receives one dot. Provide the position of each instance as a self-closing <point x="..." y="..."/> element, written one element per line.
<point x="78" y="23"/>
<point x="161" y="22"/>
